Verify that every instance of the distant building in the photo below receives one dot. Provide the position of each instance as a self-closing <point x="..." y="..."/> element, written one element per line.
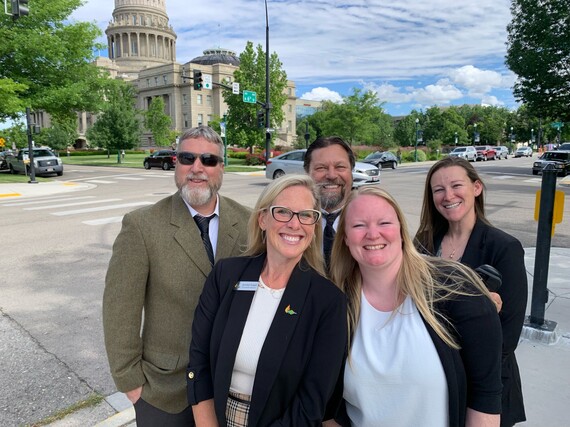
<point x="142" y="50"/>
<point x="306" y="107"/>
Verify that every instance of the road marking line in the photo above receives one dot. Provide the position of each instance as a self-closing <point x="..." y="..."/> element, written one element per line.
<point x="10" y="195"/>
<point x="99" y="181"/>
<point x="503" y="177"/>
<point x="102" y="208"/>
<point x="36" y="202"/>
<point x="37" y="208"/>
<point x="130" y="178"/>
<point x="103" y="221"/>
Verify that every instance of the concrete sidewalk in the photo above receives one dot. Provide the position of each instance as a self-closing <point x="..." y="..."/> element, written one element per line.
<point x="41" y="189"/>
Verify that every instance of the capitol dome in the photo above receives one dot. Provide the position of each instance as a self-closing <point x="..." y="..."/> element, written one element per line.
<point x="217" y="56"/>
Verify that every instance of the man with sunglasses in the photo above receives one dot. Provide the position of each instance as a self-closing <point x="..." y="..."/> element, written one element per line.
<point x="160" y="261"/>
<point x="329" y="161"/>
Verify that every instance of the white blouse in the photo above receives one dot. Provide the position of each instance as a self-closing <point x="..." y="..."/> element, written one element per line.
<point x="259" y="319"/>
<point x="394" y="376"/>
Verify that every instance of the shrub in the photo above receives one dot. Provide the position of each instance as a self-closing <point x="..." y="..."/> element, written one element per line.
<point x="254" y="160"/>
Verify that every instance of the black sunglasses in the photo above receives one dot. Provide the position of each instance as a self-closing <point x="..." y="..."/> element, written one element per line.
<point x="207" y="159"/>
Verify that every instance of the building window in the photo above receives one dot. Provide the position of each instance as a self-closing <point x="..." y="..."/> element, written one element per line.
<point x="209" y="100"/>
<point x="199" y="99"/>
<point x="209" y="118"/>
<point x="184" y="99"/>
<point x="185" y="120"/>
<point x="135" y="19"/>
<point x="200" y="119"/>
<point x="290" y="107"/>
<point x="147" y="82"/>
<point x="289" y="91"/>
<point x="289" y="125"/>
<point x="165" y="79"/>
<point x="156" y="81"/>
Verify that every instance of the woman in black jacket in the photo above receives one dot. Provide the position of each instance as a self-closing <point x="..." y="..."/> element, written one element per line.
<point x="453" y="225"/>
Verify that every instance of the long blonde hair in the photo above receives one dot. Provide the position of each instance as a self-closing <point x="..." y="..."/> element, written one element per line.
<point x="427" y="280"/>
<point x="256" y="242"/>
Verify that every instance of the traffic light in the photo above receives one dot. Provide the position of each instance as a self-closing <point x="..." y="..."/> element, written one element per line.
<point x="261" y="119"/>
<point x="20" y="8"/>
<point x="198" y="80"/>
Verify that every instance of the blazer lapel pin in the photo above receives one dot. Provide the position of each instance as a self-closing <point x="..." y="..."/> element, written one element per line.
<point x="289" y="311"/>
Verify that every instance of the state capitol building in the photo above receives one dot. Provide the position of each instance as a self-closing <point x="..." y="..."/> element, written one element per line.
<point x="142" y="50"/>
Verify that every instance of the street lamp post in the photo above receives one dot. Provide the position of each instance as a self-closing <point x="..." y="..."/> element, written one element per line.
<point x="532" y="136"/>
<point x="307" y="134"/>
<point x="475" y="134"/>
<point x="512" y="136"/>
<point x="267" y="98"/>
<point x="455" y="139"/>
<point x="416" y="144"/>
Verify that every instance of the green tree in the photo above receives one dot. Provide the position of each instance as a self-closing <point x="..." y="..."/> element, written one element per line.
<point x="16" y="136"/>
<point x="242" y="117"/>
<point x="49" y="58"/>
<point x="405" y="132"/>
<point x="538" y="52"/>
<point x="359" y="119"/>
<point x="158" y="122"/>
<point x="118" y="126"/>
<point x="60" y="135"/>
<point x="11" y="104"/>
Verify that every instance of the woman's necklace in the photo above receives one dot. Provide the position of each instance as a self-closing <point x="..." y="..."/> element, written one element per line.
<point x="453" y="248"/>
<point x="275" y="293"/>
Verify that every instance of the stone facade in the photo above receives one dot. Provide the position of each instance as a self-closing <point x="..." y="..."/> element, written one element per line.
<point x="142" y="50"/>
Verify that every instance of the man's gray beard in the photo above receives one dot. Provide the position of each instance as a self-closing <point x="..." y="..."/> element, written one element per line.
<point x="332" y="202"/>
<point x="196" y="196"/>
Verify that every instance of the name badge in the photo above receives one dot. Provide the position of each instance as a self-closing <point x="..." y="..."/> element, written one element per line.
<point x="246" y="286"/>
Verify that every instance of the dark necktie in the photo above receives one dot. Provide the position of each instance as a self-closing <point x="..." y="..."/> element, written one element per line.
<point x="203" y="223"/>
<point x="328" y="236"/>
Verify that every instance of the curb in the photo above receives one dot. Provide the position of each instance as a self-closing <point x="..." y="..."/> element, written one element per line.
<point x="120" y="419"/>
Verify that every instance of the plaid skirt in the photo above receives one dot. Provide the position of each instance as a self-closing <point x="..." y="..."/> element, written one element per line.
<point x="237" y="409"/>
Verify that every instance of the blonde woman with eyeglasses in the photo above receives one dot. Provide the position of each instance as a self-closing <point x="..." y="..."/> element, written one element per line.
<point x="269" y="333"/>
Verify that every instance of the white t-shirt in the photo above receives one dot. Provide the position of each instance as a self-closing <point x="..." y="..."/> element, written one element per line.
<point x="259" y="319"/>
<point x="394" y="377"/>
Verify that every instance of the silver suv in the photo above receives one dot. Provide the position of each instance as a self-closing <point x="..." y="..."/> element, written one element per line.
<point x="468" y="153"/>
<point x="502" y="152"/>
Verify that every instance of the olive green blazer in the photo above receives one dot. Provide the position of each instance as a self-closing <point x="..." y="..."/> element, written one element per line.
<point x="155" y="277"/>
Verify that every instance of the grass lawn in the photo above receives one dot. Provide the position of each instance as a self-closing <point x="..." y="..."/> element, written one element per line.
<point x="7" y="178"/>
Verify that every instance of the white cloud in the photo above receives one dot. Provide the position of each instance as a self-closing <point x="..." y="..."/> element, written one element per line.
<point x="323" y="42"/>
<point x="490" y="100"/>
<point x="322" y="94"/>
<point x="477" y="82"/>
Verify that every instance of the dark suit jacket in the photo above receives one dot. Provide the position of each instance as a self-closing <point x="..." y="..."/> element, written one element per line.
<point x="159" y="264"/>
<point x="489" y="245"/>
<point x="300" y="359"/>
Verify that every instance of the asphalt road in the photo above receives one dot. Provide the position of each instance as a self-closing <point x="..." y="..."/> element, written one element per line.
<point x="56" y="250"/>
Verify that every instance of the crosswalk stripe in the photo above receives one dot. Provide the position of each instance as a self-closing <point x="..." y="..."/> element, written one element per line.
<point x="130" y="178"/>
<point x="63" y="205"/>
<point x="103" y="221"/>
<point x="36" y="202"/>
<point x="101" y="208"/>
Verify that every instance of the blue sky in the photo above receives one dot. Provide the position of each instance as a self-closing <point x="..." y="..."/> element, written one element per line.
<point x="413" y="54"/>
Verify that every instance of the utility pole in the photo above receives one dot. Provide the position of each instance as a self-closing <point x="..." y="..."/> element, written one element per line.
<point x="267" y="98"/>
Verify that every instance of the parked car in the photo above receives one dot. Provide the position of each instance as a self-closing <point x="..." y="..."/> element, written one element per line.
<point x="468" y="153"/>
<point x="523" y="152"/>
<point x="560" y="160"/>
<point x="3" y="159"/>
<point x="502" y="152"/>
<point x="382" y="159"/>
<point x="564" y="146"/>
<point x="45" y="162"/>
<point x="165" y="159"/>
<point x="292" y="162"/>
<point x="485" y="152"/>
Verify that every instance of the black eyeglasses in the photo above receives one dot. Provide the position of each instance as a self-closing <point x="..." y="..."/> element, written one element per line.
<point x="207" y="159"/>
<point x="283" y="214"/>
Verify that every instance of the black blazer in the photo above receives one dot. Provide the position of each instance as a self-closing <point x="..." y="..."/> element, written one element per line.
<point x="300" y="359"/>
<point x="489" y="245"/>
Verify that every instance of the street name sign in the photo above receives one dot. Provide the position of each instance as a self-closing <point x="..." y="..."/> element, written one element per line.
<point x="249" y="96"/>
<point x="235" y="88"/>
